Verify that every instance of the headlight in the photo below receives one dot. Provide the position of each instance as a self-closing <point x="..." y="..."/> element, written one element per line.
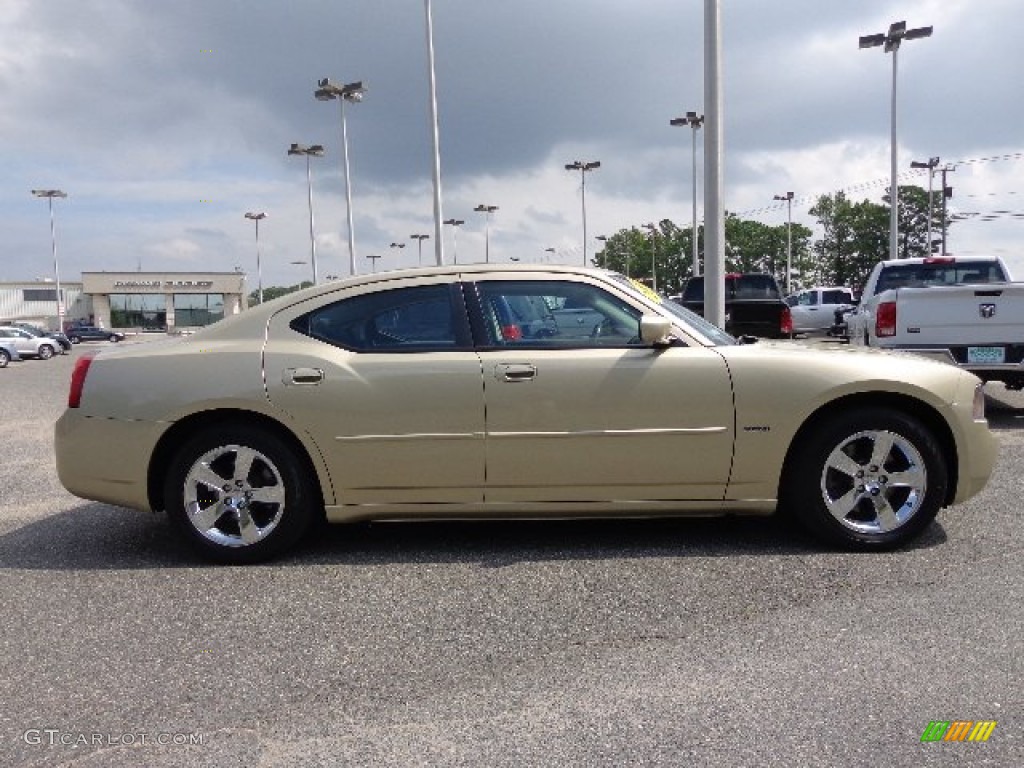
<point x="978" y="411"/>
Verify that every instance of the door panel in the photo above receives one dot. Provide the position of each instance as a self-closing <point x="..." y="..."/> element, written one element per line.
<point x="607" y="424"/>
<point x="399" y="420"/>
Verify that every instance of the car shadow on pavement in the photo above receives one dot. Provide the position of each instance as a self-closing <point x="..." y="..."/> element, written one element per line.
<point x="101" y="537"/>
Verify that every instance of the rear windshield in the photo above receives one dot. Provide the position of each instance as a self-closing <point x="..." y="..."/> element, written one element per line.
<point x="939" y="273"/>
<point x="736" y="287"/>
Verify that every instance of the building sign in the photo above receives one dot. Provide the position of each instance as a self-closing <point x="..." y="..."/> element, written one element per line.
<point x="163" y="283"/>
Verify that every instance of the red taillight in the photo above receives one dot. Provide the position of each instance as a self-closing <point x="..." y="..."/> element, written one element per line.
<point x="78" y="379"/>
<point x="511" y="332"/>
<point x="885" y="319"/>
<point x="786" y="322"/>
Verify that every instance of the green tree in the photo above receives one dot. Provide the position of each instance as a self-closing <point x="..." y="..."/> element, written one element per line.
<point x="276" y="291"/>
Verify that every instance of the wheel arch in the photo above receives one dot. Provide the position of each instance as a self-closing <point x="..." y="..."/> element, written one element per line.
<point x="186" y="428"/>
<point x="919" y="409"/>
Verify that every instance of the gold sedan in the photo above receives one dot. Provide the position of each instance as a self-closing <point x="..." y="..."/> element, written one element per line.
<point x="511" y="391"/>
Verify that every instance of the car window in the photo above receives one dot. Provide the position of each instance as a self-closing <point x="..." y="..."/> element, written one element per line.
<point x="836" y="297"/>
<point x="415" y="319"/>
<point x="808" y="298"/>
<point x="547" y="313"/>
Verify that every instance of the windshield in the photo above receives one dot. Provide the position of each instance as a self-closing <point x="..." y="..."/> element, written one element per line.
<point x="717" y="336"/>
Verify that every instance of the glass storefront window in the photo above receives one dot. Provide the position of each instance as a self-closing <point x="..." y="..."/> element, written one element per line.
<point x="198" y="309"/>
<point x="147" y="311"/>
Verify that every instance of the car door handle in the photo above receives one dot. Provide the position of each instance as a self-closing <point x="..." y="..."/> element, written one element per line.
<point x="302" y="376"/>
<point x="513" y="372"/>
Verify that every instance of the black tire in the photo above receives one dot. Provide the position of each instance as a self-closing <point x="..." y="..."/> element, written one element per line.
<point x="890" y="502"/>
<point x="45" y="352"/>
<point x="113" y="337"/>
<point x="75" y="339"/>
<point x="275" y="497"/>
<point x="5" y="357"/>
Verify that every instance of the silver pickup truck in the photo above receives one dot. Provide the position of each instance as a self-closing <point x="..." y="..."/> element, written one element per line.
<point x="964" y="311"/>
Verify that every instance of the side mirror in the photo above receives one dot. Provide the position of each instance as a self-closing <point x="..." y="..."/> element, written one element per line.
<point x="655" y="330"/>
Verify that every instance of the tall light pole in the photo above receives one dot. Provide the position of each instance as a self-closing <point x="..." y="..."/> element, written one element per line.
<point x="788" y="197"/>
<point x="654" y="256"/>
<point x="695" y="121"/>
<point x="397" y="245"/>
<point x="259" y="270"/>
<point x="373" y="260"/>
<point x="487" y="210"/>
<point x="583" y="166"/>
<point x="930" y="165"/>
<point x="49" y="194"/>
<point x="313" y="150"/>
<point x="455" y="224"/>
<point x="432" y="81"/>
<point x="420" y="238"/>
<point x="898" y="32"/>
<point x="353" y="93"/>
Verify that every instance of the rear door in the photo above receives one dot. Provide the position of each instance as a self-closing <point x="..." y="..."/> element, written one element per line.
<point x="388" y="385"/>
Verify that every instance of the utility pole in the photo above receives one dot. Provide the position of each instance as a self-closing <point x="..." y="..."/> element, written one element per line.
<point x="947" y="192"/>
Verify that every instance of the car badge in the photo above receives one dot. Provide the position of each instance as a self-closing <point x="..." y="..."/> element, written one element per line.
<point x="987" y="310"/>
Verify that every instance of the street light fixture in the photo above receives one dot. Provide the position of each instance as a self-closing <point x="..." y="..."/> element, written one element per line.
<point x="373" y="257"/>
<point x="313" y="150"/>
<point x="898" y="32"/>
<point x="352" y="93"/>
<point x="455" y="224"/>
<point x="420" y="238"/>
<point x="398" y="245"/>
<point x="654" y="262"/>
<point x="788" y="197"/>
<point x="930" y="165"/>
<point x="487" y="210"/>
<point x="695" y="122"/>
<point x="583" y="166"/>
<point x="259" y="270"/>
<point x="49" y="194"/>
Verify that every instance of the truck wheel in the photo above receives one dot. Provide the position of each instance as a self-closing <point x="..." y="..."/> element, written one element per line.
<point x="870" y="480"/>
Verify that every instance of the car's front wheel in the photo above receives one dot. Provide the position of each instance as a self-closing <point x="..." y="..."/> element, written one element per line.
<point x="239" y="494"/>
<point x="75" y="339"/>
<point x="869" y="479"/>
<point x="5" y="357"/>
<point x="113" y="337"/>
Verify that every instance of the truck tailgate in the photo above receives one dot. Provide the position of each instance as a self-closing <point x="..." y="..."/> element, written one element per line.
<point x="960" y="315"/>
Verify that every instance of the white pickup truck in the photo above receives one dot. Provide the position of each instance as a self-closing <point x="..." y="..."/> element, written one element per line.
<point x="964" y="311"/>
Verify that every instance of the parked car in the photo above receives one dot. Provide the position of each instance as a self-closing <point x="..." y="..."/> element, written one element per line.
<point x="408" y="394"/>
<point x="8" y="352"/>
<point x="27" y="344"/>
<point x="79" y="333"/>
<point x="814" y="309"/>
<point x="963" y="311"/>
<point x="58" y="336"/>
<point x="753" y="305"/>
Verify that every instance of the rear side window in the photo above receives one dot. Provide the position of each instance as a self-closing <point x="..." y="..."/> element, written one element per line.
<point x="415" y="319"/>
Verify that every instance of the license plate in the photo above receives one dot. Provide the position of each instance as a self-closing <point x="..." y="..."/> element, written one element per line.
<point x="986" y="355"/>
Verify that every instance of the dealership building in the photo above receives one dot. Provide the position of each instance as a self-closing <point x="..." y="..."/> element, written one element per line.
<point x="139" y="301"/>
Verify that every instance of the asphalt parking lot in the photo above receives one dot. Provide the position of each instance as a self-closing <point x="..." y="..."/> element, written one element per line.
<point x="679" y="643"/>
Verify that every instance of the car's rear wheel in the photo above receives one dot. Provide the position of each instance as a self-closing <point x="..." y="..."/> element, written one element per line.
<point x="5" y="357"/>
<point x="113" y="337"/>
<point x="239" y="494"/>
<point x="75" y="339"/>
<point x="870" y="479"/>
<point x="45" y="352"/>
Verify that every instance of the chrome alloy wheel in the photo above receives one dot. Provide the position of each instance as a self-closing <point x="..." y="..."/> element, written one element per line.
<point x="874" y="481"/>
<point x="234" y="496"/>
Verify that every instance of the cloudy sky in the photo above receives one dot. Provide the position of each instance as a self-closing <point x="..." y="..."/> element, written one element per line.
<point x="166" y="122"/>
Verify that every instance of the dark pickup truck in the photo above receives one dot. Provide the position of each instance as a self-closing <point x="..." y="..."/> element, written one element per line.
<point x="753" y="305"/>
